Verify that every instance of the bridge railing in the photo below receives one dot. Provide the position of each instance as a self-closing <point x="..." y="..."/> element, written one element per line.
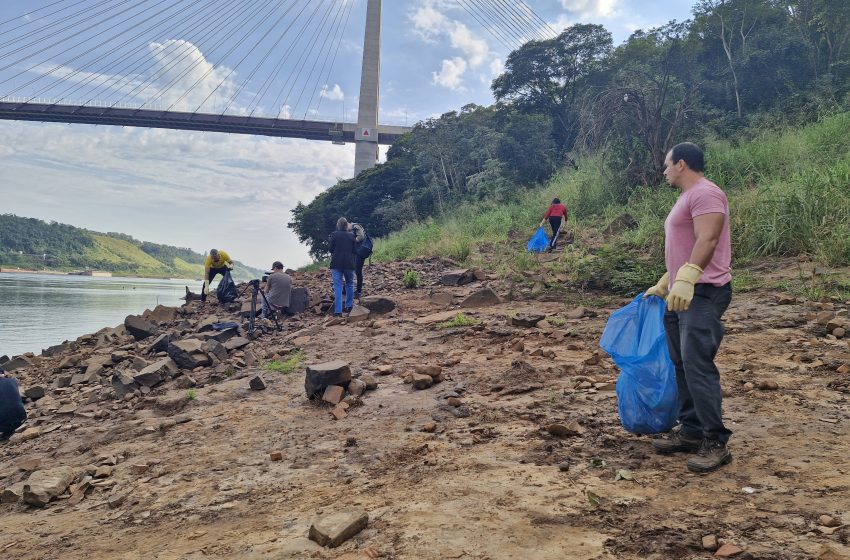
<point x="162" y="106"/>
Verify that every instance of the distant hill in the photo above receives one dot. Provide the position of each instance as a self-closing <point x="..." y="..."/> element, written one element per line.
<point x="35" y="244"/>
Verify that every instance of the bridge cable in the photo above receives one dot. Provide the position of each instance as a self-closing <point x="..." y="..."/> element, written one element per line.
<point x="256" y="101"/>
<point x="38" y="10"/>
<point x="279" y="66"/>
<point x="256" y="67"/>
<point x="191" y="48"/>
<point x="265" y="57"/>
<point x="532" y="32"/>
<point x="60" y="21"/>
<point x="507" y="43"/>
<point x="343" y="29"/>
<point x="167" y="18"/>
<point x="212" y="67"/>
<point x="61" y="65"/>
<point x="534" y="14"/>
<point x="304" y="57"/>
<point x="60" y="41"/>
<point x="176" y="47"/>
<point x="500" y="21"/>
<point x="332" y="33"/>
<point x="118" y="74"/>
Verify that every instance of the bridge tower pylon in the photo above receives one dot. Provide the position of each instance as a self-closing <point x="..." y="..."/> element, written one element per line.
<point x="366" y="135"/>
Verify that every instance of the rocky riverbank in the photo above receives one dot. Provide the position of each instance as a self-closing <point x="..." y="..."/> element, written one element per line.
<point x="490" y="436"/>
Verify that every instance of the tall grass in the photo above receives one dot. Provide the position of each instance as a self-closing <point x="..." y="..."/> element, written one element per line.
<point x="789" y="194"/>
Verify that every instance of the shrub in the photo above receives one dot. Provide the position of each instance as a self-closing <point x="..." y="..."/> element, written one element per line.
<point x="459" y="320"/>
<point x="411" y="278"/>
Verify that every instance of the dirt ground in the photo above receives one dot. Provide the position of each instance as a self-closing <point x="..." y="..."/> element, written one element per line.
<point x="490" y="484"/>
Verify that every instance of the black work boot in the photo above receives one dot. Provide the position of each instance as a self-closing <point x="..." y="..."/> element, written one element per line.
<point x="711" y="456"/>
<point x="677" y="442"/>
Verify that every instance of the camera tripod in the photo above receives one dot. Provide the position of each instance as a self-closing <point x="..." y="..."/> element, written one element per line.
<point x="255" y="289"/>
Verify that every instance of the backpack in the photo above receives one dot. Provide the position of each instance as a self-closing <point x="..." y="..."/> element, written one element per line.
<point x="226" y="290"/>
<point x="364" y="249"/>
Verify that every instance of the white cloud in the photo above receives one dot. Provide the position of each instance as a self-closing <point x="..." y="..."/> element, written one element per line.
<point x="450" y="73"/>
<point x="333" y="94"/>
<point x="428" y="22"/>
<point x="475" y="48"/>
<point x="497" y="66"/>
<point x="285" y="112"/>
<point x="189" y="77"/>
<point x="585" y="9"/>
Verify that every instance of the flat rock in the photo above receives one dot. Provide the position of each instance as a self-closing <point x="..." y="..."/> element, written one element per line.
<point x="457" y="277"/>
<point x="422" y="381"/>
<point x="43" y="486"/>
<point x="334" y="529"/>
<point x="378" y="305"/>
<point x="358" y="313"/>
<point x="482" y="298"/>
<point x="257" y="383"/>
<point x="236" y="343"/>
<point x="728" y="551"/>
<point x="436" y="318"/>
<point x="12" y="494"/>
<point x="35" y="392"/>
<point x="333" y="394"/>
<point x="526" y="319"/>
<point x="139" y="327"/>
<point x="441" y="298"/>
<point x="17" y="363"/>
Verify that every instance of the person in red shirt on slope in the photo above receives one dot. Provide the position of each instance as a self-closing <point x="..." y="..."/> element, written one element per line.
<point x="557" y="215"/>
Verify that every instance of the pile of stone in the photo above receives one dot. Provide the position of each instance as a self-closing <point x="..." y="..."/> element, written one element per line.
<point x="334" y="384"/>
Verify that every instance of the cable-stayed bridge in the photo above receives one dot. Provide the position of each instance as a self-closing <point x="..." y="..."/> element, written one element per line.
<point x="260" y="67"/>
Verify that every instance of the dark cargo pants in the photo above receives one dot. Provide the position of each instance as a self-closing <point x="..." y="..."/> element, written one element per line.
<point x="693" y="337"/>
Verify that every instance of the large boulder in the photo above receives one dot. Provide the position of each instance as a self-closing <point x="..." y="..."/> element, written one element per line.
<point x="156" y="372"/>
<point x="299" y="300"/>
<point x="188" y="353"/>
<point x="320" y="376"/>
<point x="139" y="327"/>
<point x="54" y="351"/>
<point x="378" y="305"/>
<point x="17" y="362"/>
<point x="481" y="298"/>
<point x="43" y="486"/>
<point x="162" y="314"/>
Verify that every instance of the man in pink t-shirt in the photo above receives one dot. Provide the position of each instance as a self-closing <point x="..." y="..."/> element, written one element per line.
<point x="698" y="250"/>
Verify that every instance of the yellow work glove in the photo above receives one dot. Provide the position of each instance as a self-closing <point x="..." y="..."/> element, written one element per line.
<point x="206" y="288"/>
<point x="682" y="291"/>
<point x="659" y="289"/>
<point x="230" y="265"/>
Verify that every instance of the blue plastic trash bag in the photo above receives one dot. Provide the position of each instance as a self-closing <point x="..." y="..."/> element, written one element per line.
<point x="539" y="242"/>
<point x="646" y="389"/>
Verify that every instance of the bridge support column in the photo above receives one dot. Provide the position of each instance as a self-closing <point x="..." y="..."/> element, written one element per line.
<point x="366" y="135"/>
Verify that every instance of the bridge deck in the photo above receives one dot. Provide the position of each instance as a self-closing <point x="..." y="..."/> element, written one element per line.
<point x="259" y="126"/>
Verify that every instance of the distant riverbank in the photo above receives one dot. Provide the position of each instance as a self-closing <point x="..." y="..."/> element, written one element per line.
<point x="38" y="310"/>
<point x="93" y="273"/>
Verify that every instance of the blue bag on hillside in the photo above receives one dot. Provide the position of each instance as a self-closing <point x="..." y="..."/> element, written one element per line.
<point x="539" y="242"/>
<point x="648" y="400"/>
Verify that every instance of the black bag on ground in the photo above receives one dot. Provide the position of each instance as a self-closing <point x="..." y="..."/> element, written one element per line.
<point x="364" y="249"/>
<point x="226" y="290"/>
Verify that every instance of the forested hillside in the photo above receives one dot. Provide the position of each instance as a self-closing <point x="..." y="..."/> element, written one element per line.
<point x="738" y="70"/>
<point x="34" y="244"/>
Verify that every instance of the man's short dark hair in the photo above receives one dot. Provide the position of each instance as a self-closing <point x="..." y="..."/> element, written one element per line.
<point x="691" y="154"/>
<point x="277" y="265"/>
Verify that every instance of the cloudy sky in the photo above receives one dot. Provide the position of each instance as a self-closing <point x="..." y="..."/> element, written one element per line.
<point x="202" y="190"/>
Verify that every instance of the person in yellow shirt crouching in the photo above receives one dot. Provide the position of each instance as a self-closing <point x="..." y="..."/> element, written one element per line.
<point x="217" y="262"/>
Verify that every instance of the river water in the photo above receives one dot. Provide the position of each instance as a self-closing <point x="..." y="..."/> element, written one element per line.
<point x="38" y="310"/>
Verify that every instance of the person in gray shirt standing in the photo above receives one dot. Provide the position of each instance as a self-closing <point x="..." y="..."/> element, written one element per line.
<point x="278" y="289"/>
